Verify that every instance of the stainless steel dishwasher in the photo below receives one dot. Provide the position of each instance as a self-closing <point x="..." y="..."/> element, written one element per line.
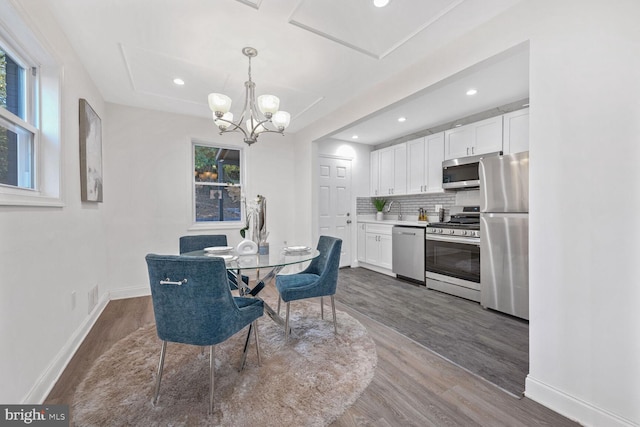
<point x="408" y="252"/>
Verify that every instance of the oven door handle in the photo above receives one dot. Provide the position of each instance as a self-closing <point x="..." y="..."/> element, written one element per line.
<point x="453" y="239"/>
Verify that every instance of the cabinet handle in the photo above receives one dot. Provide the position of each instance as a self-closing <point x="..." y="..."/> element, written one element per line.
<point x="467" y="151"/>
<point x="473" y="149"/>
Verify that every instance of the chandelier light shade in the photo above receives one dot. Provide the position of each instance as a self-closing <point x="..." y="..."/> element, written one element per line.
<point x="258" y="116"/>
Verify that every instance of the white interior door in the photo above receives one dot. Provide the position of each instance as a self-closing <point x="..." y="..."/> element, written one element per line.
<point x="334" y="202"/>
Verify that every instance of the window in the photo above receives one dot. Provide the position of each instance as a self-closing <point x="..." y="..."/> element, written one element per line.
<point x="30" y="115"/>
<point x="217" y="183"/>
<point x="17" y="130"/>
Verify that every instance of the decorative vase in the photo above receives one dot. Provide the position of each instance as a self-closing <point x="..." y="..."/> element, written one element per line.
<point x="379" y="216"/>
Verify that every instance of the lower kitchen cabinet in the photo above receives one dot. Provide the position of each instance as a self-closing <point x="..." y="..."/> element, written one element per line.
<point x="378" y="251"/>
<point x="362" y="242"/>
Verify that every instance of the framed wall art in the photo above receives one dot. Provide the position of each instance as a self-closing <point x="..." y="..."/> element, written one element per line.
<point x="90" y="154"/>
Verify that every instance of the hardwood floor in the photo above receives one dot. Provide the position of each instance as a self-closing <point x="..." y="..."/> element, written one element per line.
<point x="412" y="386"/>
<point x="490" y="344"/>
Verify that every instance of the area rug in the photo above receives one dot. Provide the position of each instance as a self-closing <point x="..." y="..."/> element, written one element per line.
<point x="309" y="381"/>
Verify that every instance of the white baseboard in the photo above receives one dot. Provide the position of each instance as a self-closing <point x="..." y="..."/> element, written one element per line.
<point x="48" y="379"/>
<point x="572" y="407"/>
<point x="129" y="293"/>
<point x="45" y="383"/>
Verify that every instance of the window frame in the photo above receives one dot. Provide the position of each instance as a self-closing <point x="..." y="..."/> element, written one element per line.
<point x="216" y="225"/>
<point x="21" y="43"/>
<point x="30" y="122"/>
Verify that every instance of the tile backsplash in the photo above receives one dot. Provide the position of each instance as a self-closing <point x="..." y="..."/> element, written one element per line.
<point x="411" y="203"/>
<point x="408" y="204"/>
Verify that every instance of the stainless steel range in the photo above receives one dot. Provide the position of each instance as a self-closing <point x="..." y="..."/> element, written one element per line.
<point x="452" y="253"/>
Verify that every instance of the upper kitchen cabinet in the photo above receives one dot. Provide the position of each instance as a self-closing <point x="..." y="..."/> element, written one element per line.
<point x="375" y="173"/>
<point x="516" y="131"/>
<point x="473" y="139"/>
<point x="424" y="164"/>
<point x="393" y="170"/>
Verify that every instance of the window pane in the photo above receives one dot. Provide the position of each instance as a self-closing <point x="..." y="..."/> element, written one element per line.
<point x="16" y="155"/>
<point x="213" y="164"/>
<point x="217" y="184"/>
<point x="214" y="203"/>
<point x="12" y="90"/>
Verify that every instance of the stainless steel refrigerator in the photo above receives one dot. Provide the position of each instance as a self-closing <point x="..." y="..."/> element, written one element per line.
<point x="504" y="233"/>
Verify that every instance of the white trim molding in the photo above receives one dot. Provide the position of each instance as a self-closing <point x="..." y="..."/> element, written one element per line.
<point x="572" y="407"/>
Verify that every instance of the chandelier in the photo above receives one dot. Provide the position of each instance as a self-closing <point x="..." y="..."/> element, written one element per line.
<point x="262" y="116"/>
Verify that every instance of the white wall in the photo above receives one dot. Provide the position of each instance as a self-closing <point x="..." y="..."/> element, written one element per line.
<point x="48" y="253"/>
<point x="584" y="293"/>
<point x="148" y="180"/>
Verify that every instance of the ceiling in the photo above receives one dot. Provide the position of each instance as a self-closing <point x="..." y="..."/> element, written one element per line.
<point x="314" y="55"/>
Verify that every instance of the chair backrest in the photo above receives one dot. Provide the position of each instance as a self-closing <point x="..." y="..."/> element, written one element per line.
<point x="201" y="241"/>
<point x="199" y="311"/>
<point x="327" y="264"/>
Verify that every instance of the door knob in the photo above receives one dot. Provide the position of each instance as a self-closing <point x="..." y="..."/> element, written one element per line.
<point x="348" y="221"/>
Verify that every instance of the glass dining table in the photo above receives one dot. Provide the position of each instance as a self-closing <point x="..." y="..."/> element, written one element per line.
<point x="273" y="262"/>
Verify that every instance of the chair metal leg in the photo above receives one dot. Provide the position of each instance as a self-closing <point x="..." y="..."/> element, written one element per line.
<point x="212" y="364"/>
<point x="163" y="351"/>
<point x="333" y="308"/>
<point x="246" y="346"/>
<point x="286" y="324"/>
<point x="279" y="299"/>
<point x="255" y="334"/>
<point x="322" y="308"/>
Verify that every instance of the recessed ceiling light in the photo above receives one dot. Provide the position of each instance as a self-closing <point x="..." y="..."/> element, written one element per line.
<point x="380" y="3"/>
<point x="471" y="92"/>
<point x="178" y="81"/>
<point x="402" y="119"/>
<point x="458" y="125"/>
<point x="525" y="105"/>
<point x="354" y="137"/>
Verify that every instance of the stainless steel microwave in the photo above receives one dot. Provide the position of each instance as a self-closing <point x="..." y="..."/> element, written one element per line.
<point x="463" y="172"/>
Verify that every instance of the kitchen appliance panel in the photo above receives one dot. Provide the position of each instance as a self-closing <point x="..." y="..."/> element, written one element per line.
<point x="454" y="258"/>
<point x="408" y="252"/>
<point x="504" y="244"/>
<point x="462" y="173"/>
<point x="504" y="183"/>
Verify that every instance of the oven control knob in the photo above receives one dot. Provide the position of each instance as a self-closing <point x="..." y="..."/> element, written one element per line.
<point x="464" y="233"/>
<point x="452" y="231"/>
<point x="440" y="231"/>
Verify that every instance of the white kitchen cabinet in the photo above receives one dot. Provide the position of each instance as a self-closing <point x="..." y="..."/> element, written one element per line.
<point x="378" y="249"/>
<point x="393" y="170"/>
<point x="375" y="173"/>
<point x="424" y="164"/>
<point x="515" y="132"/>
<point x="362" y="241"/>
<point x="473" y="139"/>
<point x="416" y="173"/>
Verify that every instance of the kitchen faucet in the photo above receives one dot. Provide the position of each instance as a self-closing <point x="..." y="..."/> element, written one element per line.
<point x="388" y="208"/>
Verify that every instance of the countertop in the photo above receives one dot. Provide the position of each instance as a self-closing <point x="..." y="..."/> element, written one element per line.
<point x="393" y="220"/>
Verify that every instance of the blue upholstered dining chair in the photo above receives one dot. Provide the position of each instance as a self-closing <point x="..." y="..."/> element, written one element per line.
<point x="192" y="304"/>
<point x="201" y="241"/>
<point x="319" y="279"/>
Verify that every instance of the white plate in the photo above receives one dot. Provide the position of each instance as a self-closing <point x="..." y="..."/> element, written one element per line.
<point x="296" y="249"/>
<point x="226" y="257"/>
<point x="218" y="249"/>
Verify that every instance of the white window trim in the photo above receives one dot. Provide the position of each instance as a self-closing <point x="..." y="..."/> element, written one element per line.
<point x="22" y="42"/>
<point x="215" y="225"/>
